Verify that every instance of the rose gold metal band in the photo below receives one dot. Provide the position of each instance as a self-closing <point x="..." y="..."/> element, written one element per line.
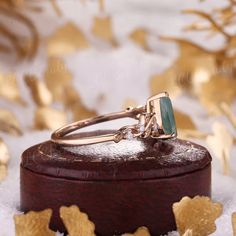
<point x="149" y="125"/>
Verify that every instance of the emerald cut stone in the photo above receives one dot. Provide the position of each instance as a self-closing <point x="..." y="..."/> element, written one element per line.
<point x="167" y="116"/>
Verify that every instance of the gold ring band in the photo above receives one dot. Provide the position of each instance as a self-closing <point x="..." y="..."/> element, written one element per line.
<point x="155" y="120"/>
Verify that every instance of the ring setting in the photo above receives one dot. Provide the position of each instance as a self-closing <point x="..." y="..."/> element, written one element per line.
<point x="155" y="120"/>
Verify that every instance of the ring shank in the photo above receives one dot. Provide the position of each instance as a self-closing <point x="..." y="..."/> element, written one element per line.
<point x="60" y="136"/>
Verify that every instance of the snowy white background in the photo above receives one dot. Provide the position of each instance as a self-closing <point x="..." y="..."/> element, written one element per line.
<point x="119" y="73"/>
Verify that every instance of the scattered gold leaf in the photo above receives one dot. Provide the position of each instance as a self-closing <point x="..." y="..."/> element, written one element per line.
<point x="4" y="153"/>
<point x="101" y="5"/>
<point x="228" y="113"/>
<point x="129" y="102"/>
<point x="197" y="214"/>
<point x="56" y="7"/>
<point x="3" y="172"/>
<point x="81" y="112"/>
<point x="33" y="224"/>
<point x="184" y="121"/>
<point x="217" y="90"/>
<point x="102" y="28"/>
<point x="66" y="39"/>
<point x="57" y="78"/>
<point x="234" y="223"/>
<point x="49" y="118"/>
<point x="165" y="82"/>
<point x="9" y="123"/>
<point x="76" y="222"/>
<point x="141" y="231"/>
<point x="188" y="232"/>
<point x="201" y="64"/>
<point x="191" y="134"/>
<point x="221" y="143"/>
<point x="9" y="88"/>
<point x="139" y="36"/>
<point x="39" y="91"/>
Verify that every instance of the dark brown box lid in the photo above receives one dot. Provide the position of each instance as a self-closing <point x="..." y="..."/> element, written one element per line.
<point x="126" y="160"/>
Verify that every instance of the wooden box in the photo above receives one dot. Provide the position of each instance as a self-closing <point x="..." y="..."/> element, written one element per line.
<point x="121" y="186"/>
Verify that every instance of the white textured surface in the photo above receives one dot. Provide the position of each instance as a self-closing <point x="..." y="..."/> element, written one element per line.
<point x="119" y="73"/>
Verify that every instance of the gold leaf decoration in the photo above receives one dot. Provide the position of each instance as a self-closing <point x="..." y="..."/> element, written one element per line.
<point x="9" y="122"/>
<point x="139" y="36"/>
<point x="4" y="153"/>
<point x="184" y="121"/>
<point x="141" y="231"/>
<point x="129" y="102"/>
<point x="39" y="91"/>
<point x="76" y="222"/>
<point x="234" y="223"/>
<point x="24" y="46"/>
<point x="221" y="143"/>
<point x="102" y="28"/>
<point x="197" y="214"/>
<point x="228" y="113"/>
<point x="33" y="224"/>
<point x="188" y="232"/>
<point x="3" y="172"/>
<point x="9" y="88"/>
<point x="66" y="39"/>
<point x="57" y="78"/>
<point x="217" y="90"/>
<point x="165" y="82"/>
<point x="49" y="118"/>
<point x="200" y="67"/>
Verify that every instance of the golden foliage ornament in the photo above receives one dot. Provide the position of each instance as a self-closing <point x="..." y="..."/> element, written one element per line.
<point x="39" y="91"/>
<point x="33" y="224"/>
<point x="49" y="118"/>
<point x="9" y="122"/>
<point x="66" y="39"/>
<point x="197" y="214"/>
<point x="141" y="231"/>
<point x="9" y="88"/>
<point x="102" y="28"/>
<point x="77" y="223"/>
<point x="140" y="37"/>
<point x="221" y="143"/>
<point x="3" y="172"/>
<point x="233" y="218"/>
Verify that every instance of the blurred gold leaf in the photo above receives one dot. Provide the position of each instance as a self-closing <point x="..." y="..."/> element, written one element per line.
<point x="9" y="88"/>
<point x="141" y="231"/>
<point x="189" y="76"/>
<point x="9" y="122"/>
<point x="102" y="28"/>
<point x="233" y="218"/>
<point x="33" y="224"/>
<point x="197" y="214"/>
<point x="81" y="112"/>
<point x="49" y="118"/>
<point x="188" y="232"/>
<point x="66" y="39"/>
<point x="217" y="90"/>
<point x="129" y="102"/>
<point x="228" y="113"/>
<point x="221" y="143"/>
<point x="165" y="82"/>
<point x="76" y="222"/>
<point x="4" y="153"/>
<point x="3" y="172"/>
<point x="184" y="121"/>
<point x="57" y="78"/>
<point x="39" y="91"/>
<point x="139" y="36"/>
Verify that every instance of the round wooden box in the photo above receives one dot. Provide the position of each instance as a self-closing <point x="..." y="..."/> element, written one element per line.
<point x="121" y="186"/>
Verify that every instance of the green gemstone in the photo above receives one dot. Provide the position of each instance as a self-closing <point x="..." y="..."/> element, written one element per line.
<point x="167" y="116"/>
